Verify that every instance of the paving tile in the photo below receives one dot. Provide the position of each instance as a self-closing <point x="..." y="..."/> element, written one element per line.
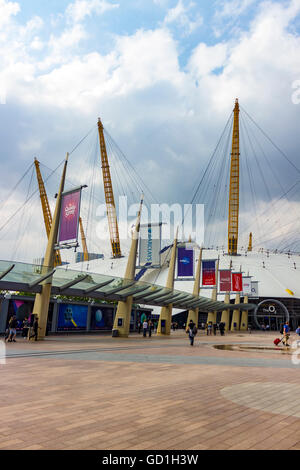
<point x="180" y="399"/>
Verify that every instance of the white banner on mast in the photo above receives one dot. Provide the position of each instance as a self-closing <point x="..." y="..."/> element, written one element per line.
<point x="254" y="289"/>
<point x="247" y="285"/>
<point x="150" y="245"/>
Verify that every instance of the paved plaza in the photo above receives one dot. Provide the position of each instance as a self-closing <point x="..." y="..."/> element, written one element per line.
<point x="97" y="392"/>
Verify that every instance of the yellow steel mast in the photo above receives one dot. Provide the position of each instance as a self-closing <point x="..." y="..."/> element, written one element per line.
<point x="250" y="242"/>
<point x="46" y="208"/>
<point x="83" y="241"/>
<point x="109" y="197"/>
<point x="234" y="188"/>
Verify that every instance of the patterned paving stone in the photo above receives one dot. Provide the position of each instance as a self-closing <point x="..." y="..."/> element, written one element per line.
<point x="96" y="392"/>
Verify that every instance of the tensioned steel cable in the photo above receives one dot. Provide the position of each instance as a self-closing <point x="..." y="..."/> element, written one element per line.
<point x="206" y="171"/>
<point x="16" y="185"/>
<point x="82" y="140"/>
<point x="250" y="174"/>
<point x="218" y="201"/>
<point x="267" y="160"/>
<point x="207" y="167"/>
<point x="29" y="198"/>
<point x="270" y="140"/>
<point x="21" y="220"/>
<point x="141" y="186"/>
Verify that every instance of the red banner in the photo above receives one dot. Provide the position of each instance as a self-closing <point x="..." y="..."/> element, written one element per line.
<point x="209" y="273"/>
<point x="237" y="282"/>
<point x="225" y="280"/>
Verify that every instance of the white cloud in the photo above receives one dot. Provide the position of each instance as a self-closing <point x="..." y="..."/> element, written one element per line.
<point x="37" y="44"/>
<point x="138" y="62"/>
<point x="77" y="11"/>
<point x="7" y="11"/>
<point x="205" y="59"/>
<point x="233" y="8"/>
<point x="183" y="16"/>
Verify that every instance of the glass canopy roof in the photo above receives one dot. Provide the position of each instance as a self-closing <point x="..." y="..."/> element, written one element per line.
<point x="15" y="276"/>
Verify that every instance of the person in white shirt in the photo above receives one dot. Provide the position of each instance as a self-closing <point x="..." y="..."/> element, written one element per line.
<point x="145" y="328"/>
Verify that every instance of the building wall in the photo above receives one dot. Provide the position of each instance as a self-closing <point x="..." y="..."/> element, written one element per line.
<point x="65" y="316"/>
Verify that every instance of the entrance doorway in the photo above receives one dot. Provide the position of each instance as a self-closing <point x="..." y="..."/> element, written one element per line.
<point x="270" y="314"/>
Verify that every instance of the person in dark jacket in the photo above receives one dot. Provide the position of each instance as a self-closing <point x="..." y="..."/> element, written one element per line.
<point x="25" y="328"/>
<point x="36" y="328"/>
<point x="150" y="327"/>
<point x="222" y="328"/>
<point x="192" y="331"/>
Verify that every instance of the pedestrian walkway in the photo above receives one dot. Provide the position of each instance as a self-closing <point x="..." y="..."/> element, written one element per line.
<point x="98" y="392"/>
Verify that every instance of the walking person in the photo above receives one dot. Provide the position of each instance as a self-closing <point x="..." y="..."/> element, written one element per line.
<point x="35" y="328"/>
<point x="25" y="328"/>
<point x="286" y="333"/>
<point x="192" y="331"/>
<point x="209" y="328"/>
<point x="13" y="323"/>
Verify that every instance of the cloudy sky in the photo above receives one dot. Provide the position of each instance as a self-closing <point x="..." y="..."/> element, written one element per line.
<point x="162" y="75"/>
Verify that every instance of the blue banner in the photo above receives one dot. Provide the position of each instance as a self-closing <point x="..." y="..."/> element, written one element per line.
<point x="72" y="317"/>
<point x="185" y="260"/>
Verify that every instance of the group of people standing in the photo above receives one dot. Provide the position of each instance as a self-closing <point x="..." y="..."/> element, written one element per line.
<point x="147" y="326"/>
<point x="211" y="328"/>
<point x="29" y="329"/>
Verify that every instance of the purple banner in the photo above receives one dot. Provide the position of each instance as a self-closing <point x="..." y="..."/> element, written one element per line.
<point x="185" y="266"/>
<point x="69" y="217"/>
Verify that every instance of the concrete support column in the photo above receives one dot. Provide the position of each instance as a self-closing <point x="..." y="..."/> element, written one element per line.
<point x="165" y="318"/>
<point x="212" y="316"/>
<point x="244" y="321"/>
<point x="123" y="314"/>
<point x="122" y="318"/>
<point x="3" y="315"/>
<point x="225" y="318"/>
<point x="236" y="315"/>
<point x="42" y="300"/>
